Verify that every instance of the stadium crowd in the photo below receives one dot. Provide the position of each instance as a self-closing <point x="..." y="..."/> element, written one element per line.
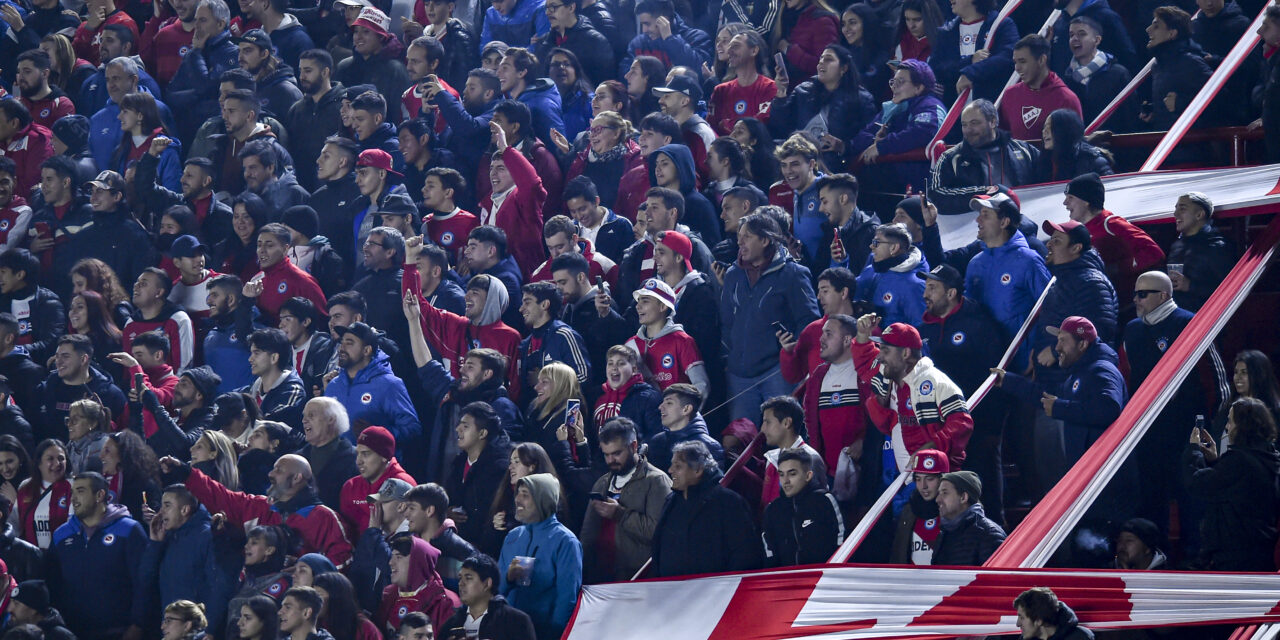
<point x="353" y="320"/>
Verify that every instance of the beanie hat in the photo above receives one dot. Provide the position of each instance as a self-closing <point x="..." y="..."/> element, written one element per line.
<point x="34" y="594"/>
<point x="302" y="219"/>
<point x="205" y="381"/>
<point x="914" y="209"/>
<point x="1088" y="187"/>
<point x="73" y="131"/>
<point x="317" y="563"/>
<point x="679" y="243"/>
<point x="966" y="481"/>
<point x="379" y="440"/>
<point x="1144" y="530"/>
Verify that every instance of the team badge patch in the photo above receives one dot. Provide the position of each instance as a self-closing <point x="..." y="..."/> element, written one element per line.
<point x="62" y="502"/>
<point x="931" y="523"/>
<point x="1006" y="279"/>
<point x="446" y="238"/>
<point x="740" y="107"/>
<point x="1162" y="344"/>
<point x="926" y="387"/>
<point x="284" y="286"/>
<point x="44" y="113"/>
<point x="668" y="361"/>
<point x="109" y="538"/>
<point x="835" y="398"/>
<point x="1075" y="386"/>
<point x="957" y="338"/>
<point x="274" y="589"/>
<point x="929" y="463"/>
<point x="403" y="611"/>
<point x="888" y="297"/>
<point x="366" y="398"/>
<point x="4" y="225"/>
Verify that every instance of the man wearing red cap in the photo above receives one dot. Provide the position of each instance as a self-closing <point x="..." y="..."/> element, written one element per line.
<point x="376" y="461"/>
<point x="908" y="399"/>
<point x="918" y="524"/>
<point x="1087" y="401"/>
<point x="373" y="170"/>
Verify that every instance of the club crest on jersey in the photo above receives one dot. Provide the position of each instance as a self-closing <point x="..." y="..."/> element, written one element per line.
<point x="1029" y="115"/>
<point x="668" y="361"/>
<point x="740" y="107"/>
<point x="109" y="538"/>
<point x="62" y="502"/>
<point x="183" y="50"/>
<point x="44" y="113"/>
<point x="1162" y="344"/>
<point x="284" y="286"/>
<point x="366" y="398"/>
<point x="835" y="398"/>
<point x="888" y="297"/>
<point x="446" y="238"/>
<point x="1006" y="279"/>
<point x="1075" y="386"/>
<point x="403" y="611"/>
<point x="275" y="588"/>
<point x="926" y="387"/>
<point x="811" y="206"/>
<point x="957" y="338"/>
<point x="4" y="225"/>
<point x="931" y="523"/>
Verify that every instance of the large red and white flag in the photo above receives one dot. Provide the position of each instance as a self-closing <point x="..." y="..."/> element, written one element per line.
<point x="852" y="602"/>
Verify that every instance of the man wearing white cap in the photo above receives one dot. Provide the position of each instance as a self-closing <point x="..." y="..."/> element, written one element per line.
<point x="369" y="35"/>
<point x="670" y="353"/>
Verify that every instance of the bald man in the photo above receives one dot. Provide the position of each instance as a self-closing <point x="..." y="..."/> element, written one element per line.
<point x="1146" y="339"/>
<point x="291" y="500"/>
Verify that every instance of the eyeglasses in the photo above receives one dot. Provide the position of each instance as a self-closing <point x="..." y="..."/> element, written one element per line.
<point x="1142" y="294"/>
<point x="896" y="82"/>
<point x="371" y="243"/>
<point x="598" y="129"/>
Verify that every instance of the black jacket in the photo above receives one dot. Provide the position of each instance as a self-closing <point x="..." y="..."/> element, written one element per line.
<point x="1115" y="36"/>
<point x="602" y="20"/>
<point x="965" y="344"/>
<point x="24" y="376"/>
<point x="310" y="122"/>
<point x="615" y="235"/>
<point x="382" y="71"/>
<point x="1069" y="625"/>
<point x="336" y="207"/>
<point x="969" y="541"/>
<point x="1103" y="86"/>
<point x="278" y="91"/>
<point x="327" y="267"/>
<point x="461" y="54"/>
<point x="1180" y="68"/>
<point x="709" y="531"/>
<point x="856" y="236"/>
<point x="1206" y="258"/>
<point x="316" y="363"/>
<point x="1266" y="100"/>
<point x="66" y="249"/>
<point x="500" y="621"/>
<point x="474" y="493"/>
<point x="54" y="627"/>
<point x="155" y="198"/>
<point x="170" y="438"/>
<point x="1084" y="159"/>
<point x="965" y="171"/>
<point x="805" y="529"/>
<point x="597" y="333"/>
<point x="1082" y="289"/>
<point x="1238" y="528"/>
<point x="24" y="560"/>
<point x="633" y="259"/>
<point x="14" y="422"/>
<point x="592" y="48"/>
<point x="384" y="305"/>
<point x="47" y="321"/>
<point x="848" y="112"/>
<point x="54" y="398"/>
<point x="337" y="469"/>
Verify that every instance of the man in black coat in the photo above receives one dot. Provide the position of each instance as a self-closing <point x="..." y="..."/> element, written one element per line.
<point x="1266" y="95"/>
<point x="572" y="31"/>
<point x="197" y="193"/>
<point x="37" y="310"/>
<point x="704" y="527"/>
<point x="569" y="272"/>
<point x="477" y="472"/>
<point x="1096" y="76"/>
<point x="803" y="525"/>
<point x="337" y="201"/>
<point x="24" y="560"/>
<point x="1201" y="257"/>
<point x="332" y="457"/>
<point x="968" y="537"/>
<point x="316" y="116"/>
<point x="23" y="373"/>
<point x="477" y="589"/>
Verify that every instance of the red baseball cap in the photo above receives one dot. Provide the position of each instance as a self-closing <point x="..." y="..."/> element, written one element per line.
<point x="1077" y="233"/>
<point x="679" y="243"/>
<point x="376" y="158"/>
<point x="1077" y="326"/>
<point x="930" y="461"/>
<point x="900" y="334"/>
<point x="374" y="20"/>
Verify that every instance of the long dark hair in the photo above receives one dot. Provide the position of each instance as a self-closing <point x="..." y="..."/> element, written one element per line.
<point x="531" y="454"/>
<point x="99" y="316"/>
<point x="1262" y="378"/>
<point x="341" y="617"/>
<point x="138" y="463"/>
<point x="580" y="83"/>
<point x="619" y="94"/>
<point x="764" y="166"/>
<point x="101" y="278"/>
<point x="10" y="443"/>
<point x="928" y="9"/>
<point x="871" y="35"/>
<point x="850" y="80"/>
<point x="1255" y="426"/>
<point x="1068" y="142"/>
<point x="266" y="611"/>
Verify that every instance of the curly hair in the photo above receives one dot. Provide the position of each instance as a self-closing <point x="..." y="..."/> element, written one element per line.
<point x="102" y="279"/>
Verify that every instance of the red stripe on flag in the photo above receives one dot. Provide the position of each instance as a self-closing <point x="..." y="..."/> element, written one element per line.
<point x="783" y="597"/>
<point x="991" y="595"/>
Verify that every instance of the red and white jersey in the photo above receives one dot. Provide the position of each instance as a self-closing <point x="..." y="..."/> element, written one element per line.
<point x="669" y="356"/>
<point x="193" y="297"/>
<point x="449" y="231"/>
<point x="731" y="102"/>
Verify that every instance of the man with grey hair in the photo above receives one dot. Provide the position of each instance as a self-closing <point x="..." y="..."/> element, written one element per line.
<point x="704" y="527"/>
<point x="988" y="157"/>
<point x="193" y="91"/>
<point x="122" y="76"/>
<point x="890" y="282"/>
<point x="332" y="457"/>
<point x="292" y="500"/>
<point x="1201" y="257"/>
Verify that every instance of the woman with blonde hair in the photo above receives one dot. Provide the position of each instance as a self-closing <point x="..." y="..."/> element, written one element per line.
<point x="68" y="72"/>
<point x="610" y="153"/>
<point x="183" y="620"/>
<point x="215" y="454"/>
<point x="557" y="386"/>
<point x="87" y="425"/>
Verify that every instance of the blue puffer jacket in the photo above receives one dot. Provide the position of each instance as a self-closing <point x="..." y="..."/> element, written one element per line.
<point x="1089" y="399"/>
<point x="543" y="99"/>
<point x="782" y="294"/>
<point x="185" y="567"/>
<point x="688" y="47"/>
<point x="1007" y="280"/>
<point x="527" y="19"/>
<point x="96" y="581"/>
<point x="988" y="76"/>
<point x="896" y="290"/>
<point x="1082" y="289"/>
<point x="378" y="397"/>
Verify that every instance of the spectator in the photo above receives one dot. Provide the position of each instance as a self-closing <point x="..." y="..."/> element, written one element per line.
<point x="65" y="212"/>
<point x="681" y="422"/>
<point x="766" y="285"/>
<point x="22" y="558"/>
<point x="214" y="454"/>
<point x="750" y="93"/>
<point x="550" y="340"/>
<point x="371" y="62"/>
<point x="338" y="200"/>
<point x="516" y="23"/>
<point x="717" y="535"/>
<point x="469" y="117"/>
<point x="192" y="399"/>
<point x="1094" y="75"/>
<point x="371" y="560"/>
<point x="514" y="119"/>
<point x="42" y="499"/>
<point x="71" y="135"/>
<point x="801" y="35"/>
<point x="312" y="349"/>
<point x="241" y="118"/>
<point x="79" y="569"/>
<point x="280" y="279"/>
<point x="296" y="505"/>
<point x="973" y="51"/>
<point x="268" y="174"/>
<point x="368" y="389"/>
<point x="662" y="343"/>
<point x="546" y="585"/>
<point x="628" y="394"/>
<point x="456" y="37"/>
<point x="415" y="585"/>
<point x="850" y="245"/>
<point x="831" y="401"/>
<point x="231" y="320"/>
<point x="892" y="281"/>
<point x="1069" y="155"/>
<point x="1217" y="28"/>
<point x="784" y="428"/>
<point x="22" y="373"/>
<point x="300" y="615"/>
<point x="799" y="356"/>
<point x="517" y="74"/>
<point x="238" y="254"/>
<point x="438" y="288"/>
<point x="1038" y="93"/>
<point x="484" y="609"/>
<point x="1082" y="289"/>
<point x="917" y="529"/>
<point x="917" y="28"/>
<point x="31" y="605"/>
<point x="426" y="515"/>
<point x="908" y="125"/>
<point x="47" y="104"/>
<point x="804" y="502"/>
<point x="87" y="424"/>
<point x="680" y="100"/>
<point x="799" y="193"/>
<point x="37" y="310"/>
<point x="735" y="205"/>
<point x="515" y="205"/>
<point x="276" y="86"/>
<point x="276" y="389"/>
<point x="480" y="434"/>
<point x="1005" y="252"/>
<point x="1087" y="401"/>
<point x="1126" y="249"/>
<point x="115" y="237"/>
<point x="447" y="225"/>
<point x="1042" y="615"/>
<point x="73" y="378"/>
<point x="758" y="145"/>
<point x="663" y="208"/>
<point x="88" y="36"/>
<point x="180" y="557"/>
<point x="869" y="45"/>
<point x="1201" y="257"/>
<point x="342" y="615"/>
<point x="609" y="156"/>
<point x="155" y="313"/>
<point x="577" y="33"/>
<point x="941" y="421"/>
<point x="194" y="85"/>
<point x="664" y="35"/>
<point x="1180" y="70"/>
<point x="576" y="102"/>
<point x="1139" y="546"/>
<point x="368" y="121"/>
<point x="377" y="464"/>
<point x="987" y="157"/>
<point x="315" y="116"/>
<point x="831" y="107"/>
<point x="632" y="495"/>
<point x="968" y="537"/>
<point x="258" y="619"/>
<point x="332" y="457"/>
<point x="1267" y="92"/>
<point x="1252" y="377"/>
<point x="727" y="169"/>
<point x="561" y="235"/>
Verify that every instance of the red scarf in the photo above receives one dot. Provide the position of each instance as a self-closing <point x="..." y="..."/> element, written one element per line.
<point x="610" y="404"/>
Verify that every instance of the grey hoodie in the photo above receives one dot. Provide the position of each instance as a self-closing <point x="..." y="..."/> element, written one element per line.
<point x="546" y="493"/>
<point x="495" y="304"/>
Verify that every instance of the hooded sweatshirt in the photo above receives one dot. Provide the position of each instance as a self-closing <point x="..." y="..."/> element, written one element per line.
<point x="174" y="323"/>
<point x="424" y="592"/>
<point x="556" y="577"/>
<point x="82" y="560"/>
<point x="893" y="287"/>
<point x="671" y="355"/>
<point x="1024" y="111"/>
<point x="699" y="215"/>
<point x="376" y="396"/>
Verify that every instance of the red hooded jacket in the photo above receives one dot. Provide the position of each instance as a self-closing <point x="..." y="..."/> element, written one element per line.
<point x="429" y="596"/>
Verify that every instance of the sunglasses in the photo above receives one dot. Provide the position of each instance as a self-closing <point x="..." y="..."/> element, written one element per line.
<point x="1142" y="294"/>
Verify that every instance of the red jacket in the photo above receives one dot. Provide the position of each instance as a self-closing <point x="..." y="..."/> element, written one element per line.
<point x="29" y="147"/>
<point x="318" y="526"/>
<point x="87" y="40"/>
<point x="353" y="501"/>
<point x="48" y="111"/>
<point x="1126" y="250"/>
<point x="429" y="596"/>
<point x="845" y="423"/>
<point x="163" y="53"/>
<point x="284" y="280"/>
<point x="411" y="106"/>
<point x="631" y="190"/>
<point x="815" y="30"/>
<point x="29" y="497"/>
<point x="806" y="358"/>
<point x="521" y="213"/>
<point x="600" y="265"/>
<point x="162" y="381"/>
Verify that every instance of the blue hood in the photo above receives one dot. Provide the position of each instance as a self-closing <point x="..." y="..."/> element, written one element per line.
<point x="379" y="366"/>
<point x="682" y="158"/>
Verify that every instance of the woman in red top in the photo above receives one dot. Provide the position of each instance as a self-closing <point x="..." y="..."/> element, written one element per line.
<point x="805" y="29"/>
<point x="45" y="499"/>
<point x="917" y="30"/>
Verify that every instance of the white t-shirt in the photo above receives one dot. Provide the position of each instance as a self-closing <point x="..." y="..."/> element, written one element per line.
<point x="472" y="626"/>
<point x="44" y="532"/>
<point x="969" y="37"/>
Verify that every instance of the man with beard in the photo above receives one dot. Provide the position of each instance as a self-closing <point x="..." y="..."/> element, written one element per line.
<point x="47" y="104"/>
<point x="315" y="116"/>
<point x="988" y="156"/>
<point x="368" y="390"/>
<point x="154" y="312"/>
<point x="482" y="376"/>
<point x="434" y="18"/>
<point x="422" y="59"/>
<point x="275" y="84"/>
<point x="99" y="545"/>
<point x="163" y="52"/>
<point x="267" y="174"/>
<point x="618" y="528"/>
<point x="212" y="213"/>
<point x="576" y="33"/>
<point x="751" y="93"/>
<point x="231" y="320"/>
<point x="173" y="435"/>
<point x="181" y="558"/>
<point x="285" y="31"/>
<point x="291" y="500"/>
<point x="469" y="117"/>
